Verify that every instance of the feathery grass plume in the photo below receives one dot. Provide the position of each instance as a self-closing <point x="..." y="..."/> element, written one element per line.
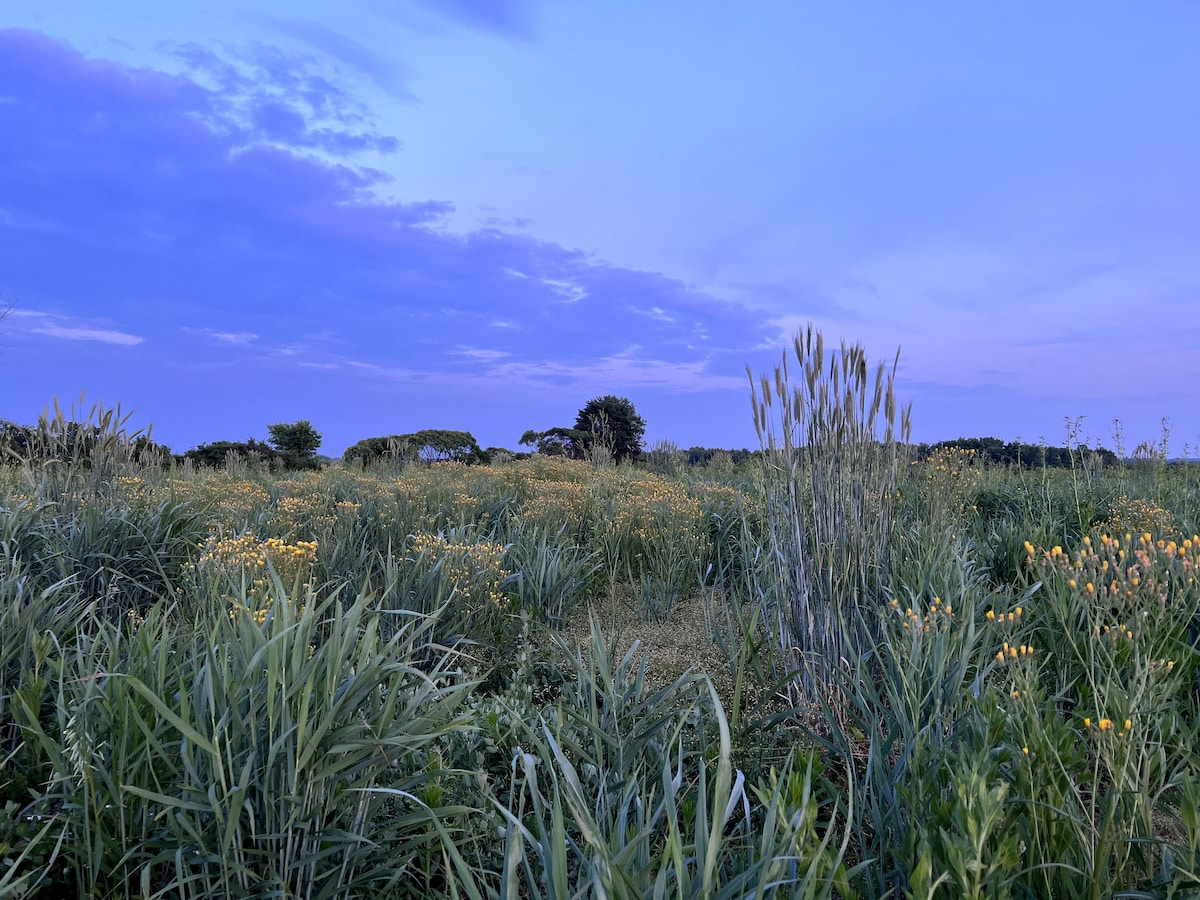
<point x="832" y="444"/>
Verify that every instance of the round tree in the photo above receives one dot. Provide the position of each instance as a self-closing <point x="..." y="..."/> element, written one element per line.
<point x="297" y="443"/>
<point x="612" y="422"/>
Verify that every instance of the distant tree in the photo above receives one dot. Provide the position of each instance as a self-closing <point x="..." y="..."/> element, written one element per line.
<point x="613" y="423"/>
<point x="497" y="455"/>
<point x="440" y="445"/>
<point x="15" y="441"/>
<point x="1028" y="456"/>
<point x="297" y="443"/>
<point x="567" y="442"/>
<point x="429" y="445"/>
<point x="371" y="450"/>
<point x="214" y="455"/>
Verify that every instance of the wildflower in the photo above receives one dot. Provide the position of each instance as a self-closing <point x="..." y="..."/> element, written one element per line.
<point x="991" y="615"/>
<point x="1025" y="750"/>
<point x="1087" y="721"/>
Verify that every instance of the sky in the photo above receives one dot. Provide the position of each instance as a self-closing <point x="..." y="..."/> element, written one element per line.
<point x="389" y="215"/>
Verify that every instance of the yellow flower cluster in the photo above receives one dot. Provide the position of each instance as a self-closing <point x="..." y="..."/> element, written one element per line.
<point x="1008" y="652"/>
<point x="303" y="512"/>
<point x="232" y="500"/>
<point x="475" y="571"/>
<point x="936" y="616"/>
<point x="645" y="506"/>
<point x="552" y="504"/>
<point x="1136" y="515"/>
<point x="245" y="558"/>
<point x="132" y="488"/>
<point x="1107" y="727"/>
<point x="1132" y="573"/>
<point x="1011" y="617"/>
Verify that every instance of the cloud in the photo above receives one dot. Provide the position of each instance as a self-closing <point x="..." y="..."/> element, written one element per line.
<point x="88" y="334"/>
<point x="170" y="200"/>
<point x="262" y="93"/>
<point x="236" y="338"/>
<point x="67" y="329"/>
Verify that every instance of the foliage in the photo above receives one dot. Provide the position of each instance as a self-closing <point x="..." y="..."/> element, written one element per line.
<point x="612" y="423"/>
<point x="568" y="442"/>
<point x="441" y="445"/>
<point x="1017" y="453"/>
<point x="297" y="443"/>
<point x="218" y="454"/>
<point x="429" y="446"/>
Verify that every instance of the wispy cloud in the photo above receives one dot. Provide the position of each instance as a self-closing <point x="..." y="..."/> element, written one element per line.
<point x="63" y="328"/>
<point x="234" y="338"/>
<point x="69" y="328"/>
<point x="52" y="329"/>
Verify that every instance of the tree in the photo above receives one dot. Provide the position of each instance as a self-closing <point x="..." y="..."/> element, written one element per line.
<point x="297" y="443"/>
<point x="612" y="422"/>
<point x="218" y="453"/>
<point x="443" y="444"/>
<point x="557" y="442"/>
<point x="429" y="445"/>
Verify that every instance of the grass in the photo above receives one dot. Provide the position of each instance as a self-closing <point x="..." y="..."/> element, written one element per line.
<point x="551" y="678"/>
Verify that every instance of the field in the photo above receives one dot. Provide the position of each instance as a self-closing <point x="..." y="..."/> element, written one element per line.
<point x="818" y="674"/>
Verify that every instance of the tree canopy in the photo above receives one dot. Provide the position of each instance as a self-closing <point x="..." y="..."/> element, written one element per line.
<point x="566" y="442"/>
<point x="297" y="443"/>
<point x="613" y="423"/>
<point x="429" y="445"/>
<point x="216" y="454"/>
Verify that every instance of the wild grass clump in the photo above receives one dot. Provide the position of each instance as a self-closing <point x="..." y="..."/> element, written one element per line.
<point x="832" y="450"/>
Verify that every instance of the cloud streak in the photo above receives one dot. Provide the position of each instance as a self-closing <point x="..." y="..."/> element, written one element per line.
<point x="120" y="338"/>
<point x="68" y="328"/>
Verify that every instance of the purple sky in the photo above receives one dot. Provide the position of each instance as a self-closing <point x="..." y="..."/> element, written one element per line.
<point x="387" y="216"/>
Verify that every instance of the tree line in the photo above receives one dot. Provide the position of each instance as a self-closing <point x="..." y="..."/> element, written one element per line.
<point x="607" y="426"/>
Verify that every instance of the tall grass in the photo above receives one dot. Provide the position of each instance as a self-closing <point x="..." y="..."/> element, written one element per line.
<point x="832" y="450"/>
<point x="245" y="759"/>
<point x="240" y="684"/>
